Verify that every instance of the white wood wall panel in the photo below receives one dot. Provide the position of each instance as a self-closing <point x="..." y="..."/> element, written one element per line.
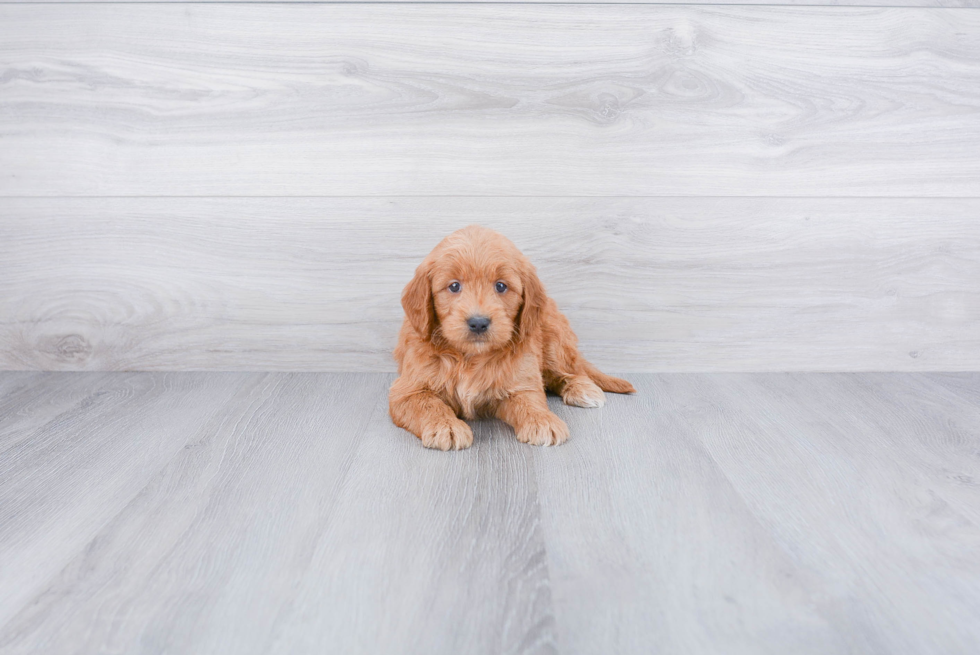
<point x="648" y="283"/>
<point x="510" y="99"/>
<point x="822" y="3"/>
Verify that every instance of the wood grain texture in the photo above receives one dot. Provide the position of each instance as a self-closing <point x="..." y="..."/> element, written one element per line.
<point x="284" y="513"/>
<point x="771" y="513"/>
<point x="82" y="458"/>
<point x="28" y="398"/>
<point x="806" y="452"/>
<point x="299" y="523"/>
<point x="509" y="99"/>
<point x="939" y="432"/>
<point x="233" y="514"/>
<point x="648" y="283"/>
<point x="819" y="3"/>
<point x="428" y="554"/>
<point x="648" y="543"/>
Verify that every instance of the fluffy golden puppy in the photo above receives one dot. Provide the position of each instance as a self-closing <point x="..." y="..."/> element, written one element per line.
<point x="481" y="338"/>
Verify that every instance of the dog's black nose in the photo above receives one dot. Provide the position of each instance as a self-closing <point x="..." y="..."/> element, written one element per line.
<point x="478" y="324"/>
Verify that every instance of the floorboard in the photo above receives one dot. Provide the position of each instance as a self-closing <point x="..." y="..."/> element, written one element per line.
<point x="283" y="513"/>
<point x="207" y="553"/>
<point x="83" y="460"/>
<point x="830" y="465"/>
<point x="650" y="546"/>
<point x="428" y="554"/>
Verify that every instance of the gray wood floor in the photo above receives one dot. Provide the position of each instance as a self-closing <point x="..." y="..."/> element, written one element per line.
<point x="283" y="513"/>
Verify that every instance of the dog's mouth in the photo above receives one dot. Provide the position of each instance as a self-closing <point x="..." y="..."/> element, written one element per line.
<point x="480" y="342"/>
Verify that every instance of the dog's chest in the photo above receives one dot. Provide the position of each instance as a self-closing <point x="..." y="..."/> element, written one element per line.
<point x="477" y="392"/>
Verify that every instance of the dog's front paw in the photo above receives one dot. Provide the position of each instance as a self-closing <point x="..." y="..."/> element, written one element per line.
<point x="447" y="435"/>
<point x="583" y="392"/>
<point x="544" y="430"/>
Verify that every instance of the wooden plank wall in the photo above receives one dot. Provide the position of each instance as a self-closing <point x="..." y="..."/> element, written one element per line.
<point x="248" y="186"/>
<point x="842" y="3"/>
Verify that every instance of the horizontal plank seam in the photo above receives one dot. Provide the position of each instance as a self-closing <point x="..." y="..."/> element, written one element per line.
<point x="477" y="2"/>
<point x="491" y="196"/>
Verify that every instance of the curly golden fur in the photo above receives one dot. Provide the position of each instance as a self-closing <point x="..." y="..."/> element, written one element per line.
<point x="451" y="368"/>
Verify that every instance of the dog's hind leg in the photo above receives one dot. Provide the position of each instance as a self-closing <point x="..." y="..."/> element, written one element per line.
<point x="605" y="382"/>
<point x="570" y="375"/>
<point x="576" y="390"/>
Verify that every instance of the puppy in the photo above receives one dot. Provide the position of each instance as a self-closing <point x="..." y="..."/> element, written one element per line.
<point x="481" y="338"/>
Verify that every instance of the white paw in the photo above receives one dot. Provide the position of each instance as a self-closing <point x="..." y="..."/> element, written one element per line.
<point x="544" y="430"/>
<point x="447" y="435"/>
<point x="583" y="392"/>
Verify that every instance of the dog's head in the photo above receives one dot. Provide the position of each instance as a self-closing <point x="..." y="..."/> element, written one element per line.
<point x="475" y="291"/>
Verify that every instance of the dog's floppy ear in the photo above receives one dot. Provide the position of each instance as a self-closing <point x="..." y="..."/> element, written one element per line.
<point x="534" y="298"/>
<point x="417" y="302"/>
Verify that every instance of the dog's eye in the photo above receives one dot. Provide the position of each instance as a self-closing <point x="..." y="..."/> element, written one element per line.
<point x="501" y="287"/>
<point x="454" y="287"/>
